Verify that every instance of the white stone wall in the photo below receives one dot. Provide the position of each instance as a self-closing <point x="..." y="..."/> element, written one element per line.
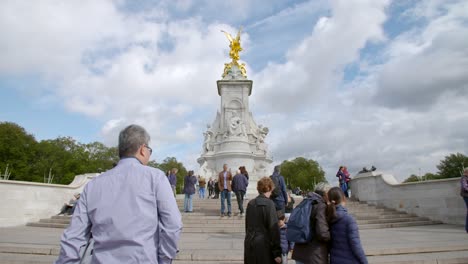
<point x="23" y="202"/>
<point x="437" y="200"/>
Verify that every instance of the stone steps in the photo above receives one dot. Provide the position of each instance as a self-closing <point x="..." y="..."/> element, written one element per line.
<point x="205" y="218"/>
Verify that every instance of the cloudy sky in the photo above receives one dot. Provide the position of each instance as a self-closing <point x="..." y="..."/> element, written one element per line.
<point x="361" y="83"/>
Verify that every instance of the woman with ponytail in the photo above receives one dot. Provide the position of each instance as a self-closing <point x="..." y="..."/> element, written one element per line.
<point x="346" y="245"/>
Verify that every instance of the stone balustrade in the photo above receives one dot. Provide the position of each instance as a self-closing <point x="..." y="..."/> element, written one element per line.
<point x="437" y="199"/>
<point x="22" y="202"/>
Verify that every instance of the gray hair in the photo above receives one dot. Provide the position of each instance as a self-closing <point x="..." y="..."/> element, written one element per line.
<point x="322" y="188"/>
<point x="130" y="139"/>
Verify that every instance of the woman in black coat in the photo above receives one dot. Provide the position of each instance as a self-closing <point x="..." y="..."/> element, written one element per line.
<point x="262" y="236"/>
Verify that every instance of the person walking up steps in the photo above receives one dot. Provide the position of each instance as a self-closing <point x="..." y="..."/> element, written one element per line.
<point x="239" y="187"/>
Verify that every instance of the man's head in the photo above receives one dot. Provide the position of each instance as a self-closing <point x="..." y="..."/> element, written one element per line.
<point x="225" y="167"/>
<point x="133" y="142"/>
<point x="174" y="171"/>
<point x="322" y="189"/>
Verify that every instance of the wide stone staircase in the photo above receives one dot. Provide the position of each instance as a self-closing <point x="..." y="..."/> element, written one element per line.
<point x="388" y="236"/>
<point x="206" y="218"/>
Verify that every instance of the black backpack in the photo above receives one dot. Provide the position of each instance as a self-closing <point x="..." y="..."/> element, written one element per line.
<point x="277" y="188"/>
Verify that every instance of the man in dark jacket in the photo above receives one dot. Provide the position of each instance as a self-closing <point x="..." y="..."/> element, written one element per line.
<point x="282" y="198"/>
<point x="239" y="187"/>
<point x="316" y="251"/>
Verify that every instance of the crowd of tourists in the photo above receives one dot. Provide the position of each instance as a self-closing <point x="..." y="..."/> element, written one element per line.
<point x="129" y="214"/>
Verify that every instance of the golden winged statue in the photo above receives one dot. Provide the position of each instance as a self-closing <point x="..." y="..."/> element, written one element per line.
<point x="235" y="45"/>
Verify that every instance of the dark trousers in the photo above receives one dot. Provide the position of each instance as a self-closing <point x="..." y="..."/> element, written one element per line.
<point x="240" y="200"/>
<point x="466" y="219"/>
<point x="280" y="206"/>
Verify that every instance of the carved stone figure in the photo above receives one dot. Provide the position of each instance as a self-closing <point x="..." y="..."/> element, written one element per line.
<point x="236" y="126"/>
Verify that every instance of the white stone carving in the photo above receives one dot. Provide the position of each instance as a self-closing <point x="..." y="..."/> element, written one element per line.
<point x="234" y="138"/>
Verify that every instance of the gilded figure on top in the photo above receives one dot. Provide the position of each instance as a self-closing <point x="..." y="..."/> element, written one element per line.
<point x="235" y="45"/>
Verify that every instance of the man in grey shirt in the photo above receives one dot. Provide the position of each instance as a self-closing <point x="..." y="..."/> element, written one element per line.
<point x="130" y="211"/>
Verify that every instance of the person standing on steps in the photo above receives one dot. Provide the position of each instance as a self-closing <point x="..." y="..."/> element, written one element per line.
<point x="224" y="185"/>
<point x="189" y="191"/>
<point x="239" y="187"/>
<point x="262" y="244"/>
<point x="173" y="180"/>
<point x="129" y="210"/>
<point x="464" y="193"/>
<point x="202" y="187"/>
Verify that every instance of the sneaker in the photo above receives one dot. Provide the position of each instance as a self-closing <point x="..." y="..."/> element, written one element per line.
<point x="223" y="214"/>
<point x="229" y="214"/>
<point x="241" y="214"/>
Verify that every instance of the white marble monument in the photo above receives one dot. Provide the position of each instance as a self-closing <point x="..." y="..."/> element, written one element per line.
<point x="234" y="138"/>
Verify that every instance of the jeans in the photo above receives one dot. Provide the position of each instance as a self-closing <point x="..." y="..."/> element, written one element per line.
<point x="188" y="206"/>
<point x="344" y="188"/>
<point x="225" y="194"/>
<point x="466" y="219"/>
<point x="240" y="200"/>
<point x="201" y="193"/>
<point x="280" y="206"/>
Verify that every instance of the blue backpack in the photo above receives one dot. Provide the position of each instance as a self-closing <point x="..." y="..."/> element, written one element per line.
<point x="299" y="230"/>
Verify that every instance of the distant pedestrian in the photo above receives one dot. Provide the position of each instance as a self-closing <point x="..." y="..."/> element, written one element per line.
<point x="289" y="205"/>
<point x="345" y="246"/>
<point x="202" y="187"/>
<point x="464" y="193"/>
<point x="129" y="210"/>
<point x="69" y="208"/>
<point x="286" y="245"/>
<point x="262" y="237"/>
<point x="216" y="189"/>
<point x="211" y="185"/>
<point x="239" y="187"/>
<point x="189" y="191"/>
<point x="342" y="180"/>
<point x="243" y="171"/>
<point x="224" y="185"/>
<point x="316" y="250"/>
<point x="279" y="194"/>
<point x="173" y="180"/>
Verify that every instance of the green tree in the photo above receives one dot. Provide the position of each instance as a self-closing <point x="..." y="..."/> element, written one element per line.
<point x="412" y="178"/>
<point x="17" y="150"/>
<point x="302" y="172"/>
<point x="452" y="166"/>
<point x="169" y="163"/>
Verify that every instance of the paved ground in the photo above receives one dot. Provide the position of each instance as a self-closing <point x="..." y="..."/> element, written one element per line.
<point x="426" y="244"/>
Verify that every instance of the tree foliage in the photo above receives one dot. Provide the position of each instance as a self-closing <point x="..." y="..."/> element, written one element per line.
<point x="452" y="166"/>
<point x="169" y="163"/>
<point x="302" y="172"/>
<point x="63" y="157"/>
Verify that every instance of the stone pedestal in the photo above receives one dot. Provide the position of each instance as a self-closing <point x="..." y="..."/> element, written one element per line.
<point x="234" y="138"/>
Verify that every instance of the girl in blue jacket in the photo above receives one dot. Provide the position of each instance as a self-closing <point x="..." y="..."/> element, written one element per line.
<point x="346" y="245"/>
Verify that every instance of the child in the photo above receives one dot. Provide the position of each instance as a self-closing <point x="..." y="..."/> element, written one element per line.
<point x="286" y="246"/>
<point x="345" y="242"/>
